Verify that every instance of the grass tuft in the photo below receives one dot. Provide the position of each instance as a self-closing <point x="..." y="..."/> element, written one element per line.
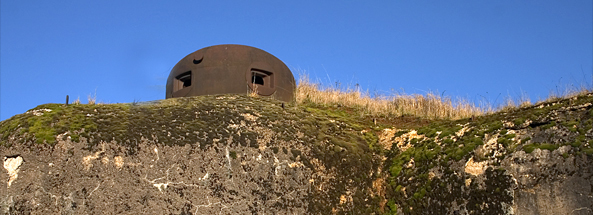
<point x="92" y="99"/>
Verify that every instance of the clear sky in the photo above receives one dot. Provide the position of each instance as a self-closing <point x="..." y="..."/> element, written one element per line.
<point x="124" y="50"/>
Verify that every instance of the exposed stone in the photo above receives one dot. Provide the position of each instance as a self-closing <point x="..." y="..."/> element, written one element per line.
<point x="475" y="168"/>
<point x="239" y="155"/>
<point x="12" y="164"/>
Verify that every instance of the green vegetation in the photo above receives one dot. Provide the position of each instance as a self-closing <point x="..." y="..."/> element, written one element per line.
<point x="392" y="207"/>
<point x="46" y="121"/>
<point x="344" y="138"/>
<point x="519" y="121"/>
<point x="545" y="146"/>
<point x="549" y="125"/>
<point x="571" y="125"/>
<point x="442" y="147"/>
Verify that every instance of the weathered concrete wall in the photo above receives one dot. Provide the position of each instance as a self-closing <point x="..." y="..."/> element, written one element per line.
<point x="227" y="179"/>
<point x="211" y="156"/>
<point x="239" y="155"/>
<point x="548" y="183"/>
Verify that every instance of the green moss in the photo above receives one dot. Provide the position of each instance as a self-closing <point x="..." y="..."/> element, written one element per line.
<point x="342" y="138"/>
<point x="577" y="143"/>
<point x="429" y="132"/>
<point x="496" y="125"/>
<point x="420" y="194"/>
<point x="549" y="125"/>
<point x="506" y="140"/>
<point x="571" y="125"/>
<point x="545" y="146"/>
<point x="588" y="151"/>
<point x="529" y="148"/>
<point x="549" y="147"/>
<point x="371" y="139"/>
<point x="75" y="137"/>
<point x="396" y="167"/>
<point x="400" y="133"/>
<point x="588" y="123"/>
<point x="392" y="207"/>
<point x="519" y="121"/>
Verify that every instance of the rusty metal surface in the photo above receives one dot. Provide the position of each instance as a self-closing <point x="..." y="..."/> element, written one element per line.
<point x="231" y="69"/>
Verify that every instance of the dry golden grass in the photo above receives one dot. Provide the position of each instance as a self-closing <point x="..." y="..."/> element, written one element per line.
<point x="524" y="101"/>
<point x="430" y="106"/>
<point x="253" y="92"/>
<point x="92" y="99"/>
<point x="77" y="101"/>
<point x="567" y="92"/>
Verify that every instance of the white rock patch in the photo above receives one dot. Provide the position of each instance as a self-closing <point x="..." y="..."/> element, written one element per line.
<point x="475" y="168"/>
<point x="12" y="166"/>
<point x="118" y="161"/>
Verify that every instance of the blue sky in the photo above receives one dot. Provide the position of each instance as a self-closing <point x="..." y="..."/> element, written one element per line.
<point x="124" y="50"/>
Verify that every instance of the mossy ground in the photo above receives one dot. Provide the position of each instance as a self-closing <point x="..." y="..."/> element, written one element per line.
<point x="333" y="135"/>
<point x="343" y="138"/>
<point x="442" y="147"/>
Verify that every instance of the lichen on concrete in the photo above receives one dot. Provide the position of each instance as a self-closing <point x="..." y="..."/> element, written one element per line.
<point x="235" y="154"/>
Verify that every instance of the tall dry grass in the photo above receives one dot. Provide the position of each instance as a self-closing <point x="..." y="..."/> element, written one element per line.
<point x="567" y="92"/>
<point x="430" y="106"/>
<point x="561" y="92"/>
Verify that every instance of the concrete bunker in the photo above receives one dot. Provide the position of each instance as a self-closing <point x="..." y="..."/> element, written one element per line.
<point x="231" y="69"/>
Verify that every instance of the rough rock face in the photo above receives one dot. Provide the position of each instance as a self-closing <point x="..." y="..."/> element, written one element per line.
<point x="208" y="155"/>
<point x="533" y="160"/>
<point x="157" y="180"/>
<point x="243" y="155"/>
<point x="545" y="182"/>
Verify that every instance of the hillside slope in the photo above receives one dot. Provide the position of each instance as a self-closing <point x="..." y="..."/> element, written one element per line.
<point x="233" y="154"/>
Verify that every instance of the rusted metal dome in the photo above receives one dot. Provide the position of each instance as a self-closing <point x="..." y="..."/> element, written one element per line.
<point x="231" y="69"/>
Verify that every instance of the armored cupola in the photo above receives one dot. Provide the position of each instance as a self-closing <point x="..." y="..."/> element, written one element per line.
<point x="231" y="69"/>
